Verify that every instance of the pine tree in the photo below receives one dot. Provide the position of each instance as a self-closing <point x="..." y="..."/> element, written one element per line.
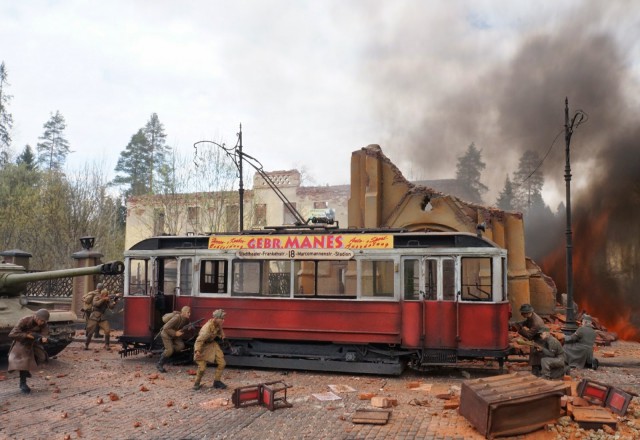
<point x="468" y="171"/>
<point x="54" y="148"/>
<point x="27" y="158"/>
<point x="154" y="132"/>
<point x="505" y="199"/>
<point x="6" y="119"/>
<point x="528" y="181"/>
<point x="135" y="166"/>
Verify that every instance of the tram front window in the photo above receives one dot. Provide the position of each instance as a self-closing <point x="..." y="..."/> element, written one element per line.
<point x="138" y="277"/>
<point x="476" y="279"/>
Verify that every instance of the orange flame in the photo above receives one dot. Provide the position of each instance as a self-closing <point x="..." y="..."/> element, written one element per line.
<point x="595" y="291"/>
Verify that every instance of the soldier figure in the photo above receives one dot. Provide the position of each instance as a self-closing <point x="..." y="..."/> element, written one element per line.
<point x="97" y="319"/>
<point x="528" y="328"/>
<point x="26" y="352"/>
<point x="207" y="349"/>
<point x="552" y="355"/>
<point x="171" y="334"/>
<point x="531" y="324"/>
<point x="87" y="299"/>
<point x="578" y="347"/>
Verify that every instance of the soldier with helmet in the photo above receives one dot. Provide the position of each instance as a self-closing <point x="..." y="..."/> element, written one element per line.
<point x="97" y="318"/>
<point x="171" y="334"/>
<point x="87" y="308"/>
<point x="531" y="324"/>
<point x="551" y="355"/>
<point x="529" y="328"/>
<point x="578" y="347"/>
<point x="207" y="349"/>
<point x="26" y="351"/>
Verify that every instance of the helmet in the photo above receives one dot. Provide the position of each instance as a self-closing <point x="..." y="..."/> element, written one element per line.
<point x="99" y="286"/>
<point x="586" y="319"/>
<point x="541" y="330"/>
<point x="42" y="314"/>
<point x="185" y="309"/>
<point x="526" y="308"/>
<point x="220" y="314"/>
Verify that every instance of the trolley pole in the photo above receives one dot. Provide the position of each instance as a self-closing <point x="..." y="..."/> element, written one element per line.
<point x="241" y="186"/>
<point x="237" y="156"/>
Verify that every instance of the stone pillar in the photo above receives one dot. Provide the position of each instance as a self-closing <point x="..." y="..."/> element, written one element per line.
<point x="517" y="273"/>
<point x="16" y="256"/>
<point x="498" y="232"/>
<point x="84" y="283"/>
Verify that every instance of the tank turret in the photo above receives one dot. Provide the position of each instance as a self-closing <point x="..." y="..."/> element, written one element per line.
<point x="13" y="306"/>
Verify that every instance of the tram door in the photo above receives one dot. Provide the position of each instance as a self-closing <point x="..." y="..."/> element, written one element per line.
<point x="166" y="285"/>
<point x="139" y="300"/>
<point x="429" y="303"/>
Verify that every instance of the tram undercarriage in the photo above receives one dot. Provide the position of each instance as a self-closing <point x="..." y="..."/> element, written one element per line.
<point x="361" y="359"/>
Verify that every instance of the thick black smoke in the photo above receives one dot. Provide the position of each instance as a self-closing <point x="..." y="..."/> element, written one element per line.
<point x="518" y="105"/>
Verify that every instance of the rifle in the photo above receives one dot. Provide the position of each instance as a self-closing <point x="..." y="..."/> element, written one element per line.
<point x="37" y="337"/>
<point x="192" y="325"/>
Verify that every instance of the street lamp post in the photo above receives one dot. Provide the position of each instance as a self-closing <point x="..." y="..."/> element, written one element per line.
<point x="569" y="125"/>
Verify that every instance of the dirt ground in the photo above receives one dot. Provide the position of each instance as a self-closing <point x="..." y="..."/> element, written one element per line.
<point x="96" y="394"/>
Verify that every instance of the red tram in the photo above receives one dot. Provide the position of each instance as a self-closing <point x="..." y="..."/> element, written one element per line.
<point x="349" y="300"/>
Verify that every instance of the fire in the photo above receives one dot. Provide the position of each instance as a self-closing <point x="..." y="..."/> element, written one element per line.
<point x="595" y="290"/>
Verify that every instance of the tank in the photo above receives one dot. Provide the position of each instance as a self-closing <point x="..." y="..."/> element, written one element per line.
<point x="15" y="306"/>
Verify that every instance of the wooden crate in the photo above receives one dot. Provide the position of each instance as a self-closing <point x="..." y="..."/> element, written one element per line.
<point x="511" y="404"/>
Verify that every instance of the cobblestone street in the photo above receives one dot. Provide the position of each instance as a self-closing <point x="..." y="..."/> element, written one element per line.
<point x="97" y="395"/>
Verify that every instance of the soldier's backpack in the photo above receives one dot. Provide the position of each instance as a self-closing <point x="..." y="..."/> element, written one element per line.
<point x="87" y="298"/>
<point x="167" y="316"/>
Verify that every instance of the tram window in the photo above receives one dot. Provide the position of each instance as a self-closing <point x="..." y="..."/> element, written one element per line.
<point x="448" y="279"/>
<point x="279" y="279"/>
<point x="377" y="278"/>
<point x="476" y="279"/>
<point x="304" y="283"/>
<point x="431" y="279"/>
<point x="247" y="278"/>
<point x="411" y="279"/>
<point x="138" y="277"/>
<point x="503" y="280"/>
<point x="186" y="274"/>
<point x="168" y="275"/>
<point x="213" y="276"/>
<point x="327" y="278"/>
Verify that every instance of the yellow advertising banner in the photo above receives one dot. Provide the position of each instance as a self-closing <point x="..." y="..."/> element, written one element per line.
<point x="286" y="242"/>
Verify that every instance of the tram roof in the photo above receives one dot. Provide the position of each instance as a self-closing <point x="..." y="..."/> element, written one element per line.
<point x="401" y="238"/>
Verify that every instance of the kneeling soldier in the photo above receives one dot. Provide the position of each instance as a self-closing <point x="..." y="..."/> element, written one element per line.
<point x="552" y="355"/>
<point x="171" y="334"/>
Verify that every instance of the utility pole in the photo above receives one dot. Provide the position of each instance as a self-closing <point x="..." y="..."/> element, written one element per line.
<point x="570" y="324"/>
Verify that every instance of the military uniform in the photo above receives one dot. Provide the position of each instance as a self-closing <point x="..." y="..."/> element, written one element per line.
<point x="530" y="326"/>
<point x="97" y="319"/>
<point x="552" y="361"/>
<point x="87" y="299"/>
<point x="208" y="344"/>
<point x="26" y="353"/>
<point x="170" y="340"/>
<point x="578" y="347"/>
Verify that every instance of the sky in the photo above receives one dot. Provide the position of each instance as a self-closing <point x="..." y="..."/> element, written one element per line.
<point x="313" y="81"/>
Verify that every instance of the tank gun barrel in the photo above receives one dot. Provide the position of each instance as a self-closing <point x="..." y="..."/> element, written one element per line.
<point x="12" y="279"/>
